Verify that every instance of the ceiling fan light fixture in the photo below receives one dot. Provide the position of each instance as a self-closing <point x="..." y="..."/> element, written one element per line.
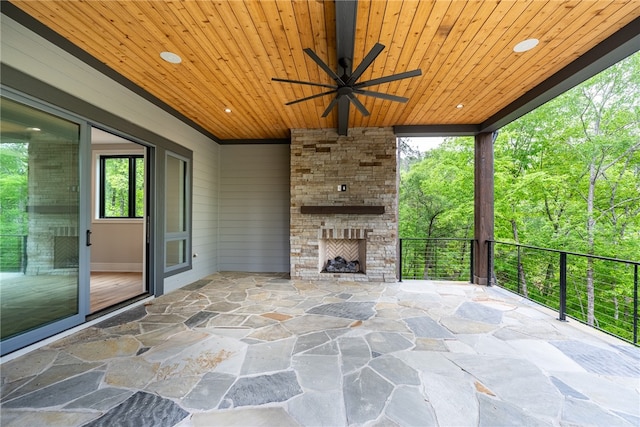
<point x="171" y="57"/>
<point x="526" y="45"/>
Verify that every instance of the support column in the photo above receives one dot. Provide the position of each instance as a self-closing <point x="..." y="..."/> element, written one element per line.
<point x="483" y="207"/>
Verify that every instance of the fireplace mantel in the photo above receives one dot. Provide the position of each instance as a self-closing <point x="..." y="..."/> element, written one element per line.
<point x="330" y="209"/>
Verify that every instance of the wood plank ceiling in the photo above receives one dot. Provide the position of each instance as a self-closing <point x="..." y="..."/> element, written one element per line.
<point x="232" y="49"/>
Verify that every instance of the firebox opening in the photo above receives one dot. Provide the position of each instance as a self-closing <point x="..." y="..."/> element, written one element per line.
<point x="342" y="256"/>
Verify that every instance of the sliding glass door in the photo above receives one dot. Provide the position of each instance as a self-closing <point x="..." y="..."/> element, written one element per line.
<point x="43" y="248"/>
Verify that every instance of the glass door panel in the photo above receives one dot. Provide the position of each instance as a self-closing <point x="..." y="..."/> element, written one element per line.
<point x="39" y="219"/>
<point x="176" y="214"/>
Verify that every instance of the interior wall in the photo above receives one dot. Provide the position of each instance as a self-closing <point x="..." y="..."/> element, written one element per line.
<point x="117" y="245"/>
<point x="254" y="208"/>
<point x="31" y="54"/>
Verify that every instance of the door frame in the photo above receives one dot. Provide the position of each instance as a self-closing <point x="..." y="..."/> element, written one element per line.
<point x="149" y="219"/>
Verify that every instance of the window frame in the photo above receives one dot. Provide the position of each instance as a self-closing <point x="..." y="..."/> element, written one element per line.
<point x="131" y="207"/>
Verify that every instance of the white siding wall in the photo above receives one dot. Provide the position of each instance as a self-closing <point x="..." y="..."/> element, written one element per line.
<point x="254" y="208"/>
<point x="33" y="55"/>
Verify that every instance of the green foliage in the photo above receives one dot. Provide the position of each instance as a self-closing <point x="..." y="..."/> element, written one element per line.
<point x="13" y="204"/>
<point x="123" y="176"/>
<point x="567" y="177"/>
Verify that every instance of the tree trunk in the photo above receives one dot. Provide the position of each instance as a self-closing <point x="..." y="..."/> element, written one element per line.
<point x="590" y="241"/>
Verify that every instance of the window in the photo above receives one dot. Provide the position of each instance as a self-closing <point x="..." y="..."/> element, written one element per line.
<point x="122" y="186"/>
<point x="177" y="223"/>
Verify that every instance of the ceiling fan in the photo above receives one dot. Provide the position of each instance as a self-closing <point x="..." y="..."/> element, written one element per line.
<point x="347" y="85"/>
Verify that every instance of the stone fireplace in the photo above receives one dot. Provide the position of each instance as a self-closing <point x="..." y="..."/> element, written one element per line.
<point x="344" y="203"/>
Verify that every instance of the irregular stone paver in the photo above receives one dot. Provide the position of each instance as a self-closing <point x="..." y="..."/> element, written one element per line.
<point x="426" y="327"/>
<point x="142" y="409"/>
<point x="213" y="353"/>
<point x="320" y="373"/>
<point x="598" y="360"/>
<point x="245" y="417"/>
<point x="16" y="418"/>
<point x="60" y="393"/>
<point x="268" y="357"/>
<point x="105" y="349"/>
<point x="418" y="352"/>
<point x="581" y="413"/>
<point x="135" y="373"/>
<point x="365" y="395"/>
<point x="55" y="374"/>
<point x="318" y="409"/>
<point x="409" y="408"/>
<point x="387" y="342"/>
<point x="309" y="341"/>
<point x="453" y="399"/>
<point x="199" y="318"/>
<point x="494" y="413"/>
<point x="566" y="390"/>
<point x="479" y="312"/>
<point x="348" y="310"/>
<point x="102" y="399"/>
<point x="128" y="316"/>
<point x="262" y="389"/>
<point x="207" y="393"/>
<point x="522" y="382"/>
<point x="395" y="370"/>
<point x="196" y="285"/>
<point x="355" y="353"/>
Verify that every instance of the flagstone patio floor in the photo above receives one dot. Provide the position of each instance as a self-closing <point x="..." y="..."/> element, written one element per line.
<point x="239" y="349"/>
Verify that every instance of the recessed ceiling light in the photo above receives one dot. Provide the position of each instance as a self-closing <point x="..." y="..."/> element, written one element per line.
<point x="459" y="106"/>
<point x="526" y="45"/>
<point x="227" y="110"/>
<point x="171" y="57"/>
<point x="34" y="129"/>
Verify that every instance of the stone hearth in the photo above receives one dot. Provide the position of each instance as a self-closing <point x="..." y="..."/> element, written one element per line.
<point x="322" y="163"/>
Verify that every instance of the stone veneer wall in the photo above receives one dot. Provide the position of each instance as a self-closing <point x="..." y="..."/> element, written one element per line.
<point x="52" y="203"/>
<point x="366" y="161"/>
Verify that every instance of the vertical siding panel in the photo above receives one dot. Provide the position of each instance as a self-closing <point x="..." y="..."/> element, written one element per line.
<point x="254" y="208"/>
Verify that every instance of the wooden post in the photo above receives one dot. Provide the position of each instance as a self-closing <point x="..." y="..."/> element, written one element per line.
<point x="483" y="206"/>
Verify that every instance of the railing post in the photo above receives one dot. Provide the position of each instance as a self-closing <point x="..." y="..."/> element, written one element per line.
<point x="400" y="261"/>
<point x="563" y="286"/>
<point x="519" y="275"/>
<point x="489" y="263"/>
<point x="635" y="304"/>
<point x="471" y="260"/>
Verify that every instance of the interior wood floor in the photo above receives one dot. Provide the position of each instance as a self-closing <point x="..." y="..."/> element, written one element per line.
<point x="30" y="301"/>
<point x="109" y="288"/>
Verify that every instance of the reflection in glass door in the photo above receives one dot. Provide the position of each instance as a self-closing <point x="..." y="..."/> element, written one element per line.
<point x="40" y="223"/>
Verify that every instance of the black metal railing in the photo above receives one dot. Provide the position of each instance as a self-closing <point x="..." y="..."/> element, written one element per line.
<point x="13" y="253"/>
<point x="599" y="291"/>
<point x="436" y="259"/>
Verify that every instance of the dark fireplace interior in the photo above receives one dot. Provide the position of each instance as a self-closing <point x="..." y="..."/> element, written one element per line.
<point x="342" y="255"/>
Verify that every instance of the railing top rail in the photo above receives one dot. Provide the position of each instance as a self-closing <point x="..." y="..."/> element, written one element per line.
<point x="437" y="238"/>
<point x="568" y="253"/>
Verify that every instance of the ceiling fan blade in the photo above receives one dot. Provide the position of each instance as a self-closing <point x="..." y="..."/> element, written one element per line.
<point x="317" y="95"/>
<point x="381" y="95"/>
<point x="275" y="79"/>
<point x="391" y="78"/>
<point x="366" y="62"/>
<point x="323" y="65"/>
<point x="332" y="104"/>
<point x="363" y="110"/>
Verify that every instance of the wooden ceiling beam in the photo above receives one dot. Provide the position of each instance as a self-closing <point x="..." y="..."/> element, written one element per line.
<point x="345" y="41"/>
